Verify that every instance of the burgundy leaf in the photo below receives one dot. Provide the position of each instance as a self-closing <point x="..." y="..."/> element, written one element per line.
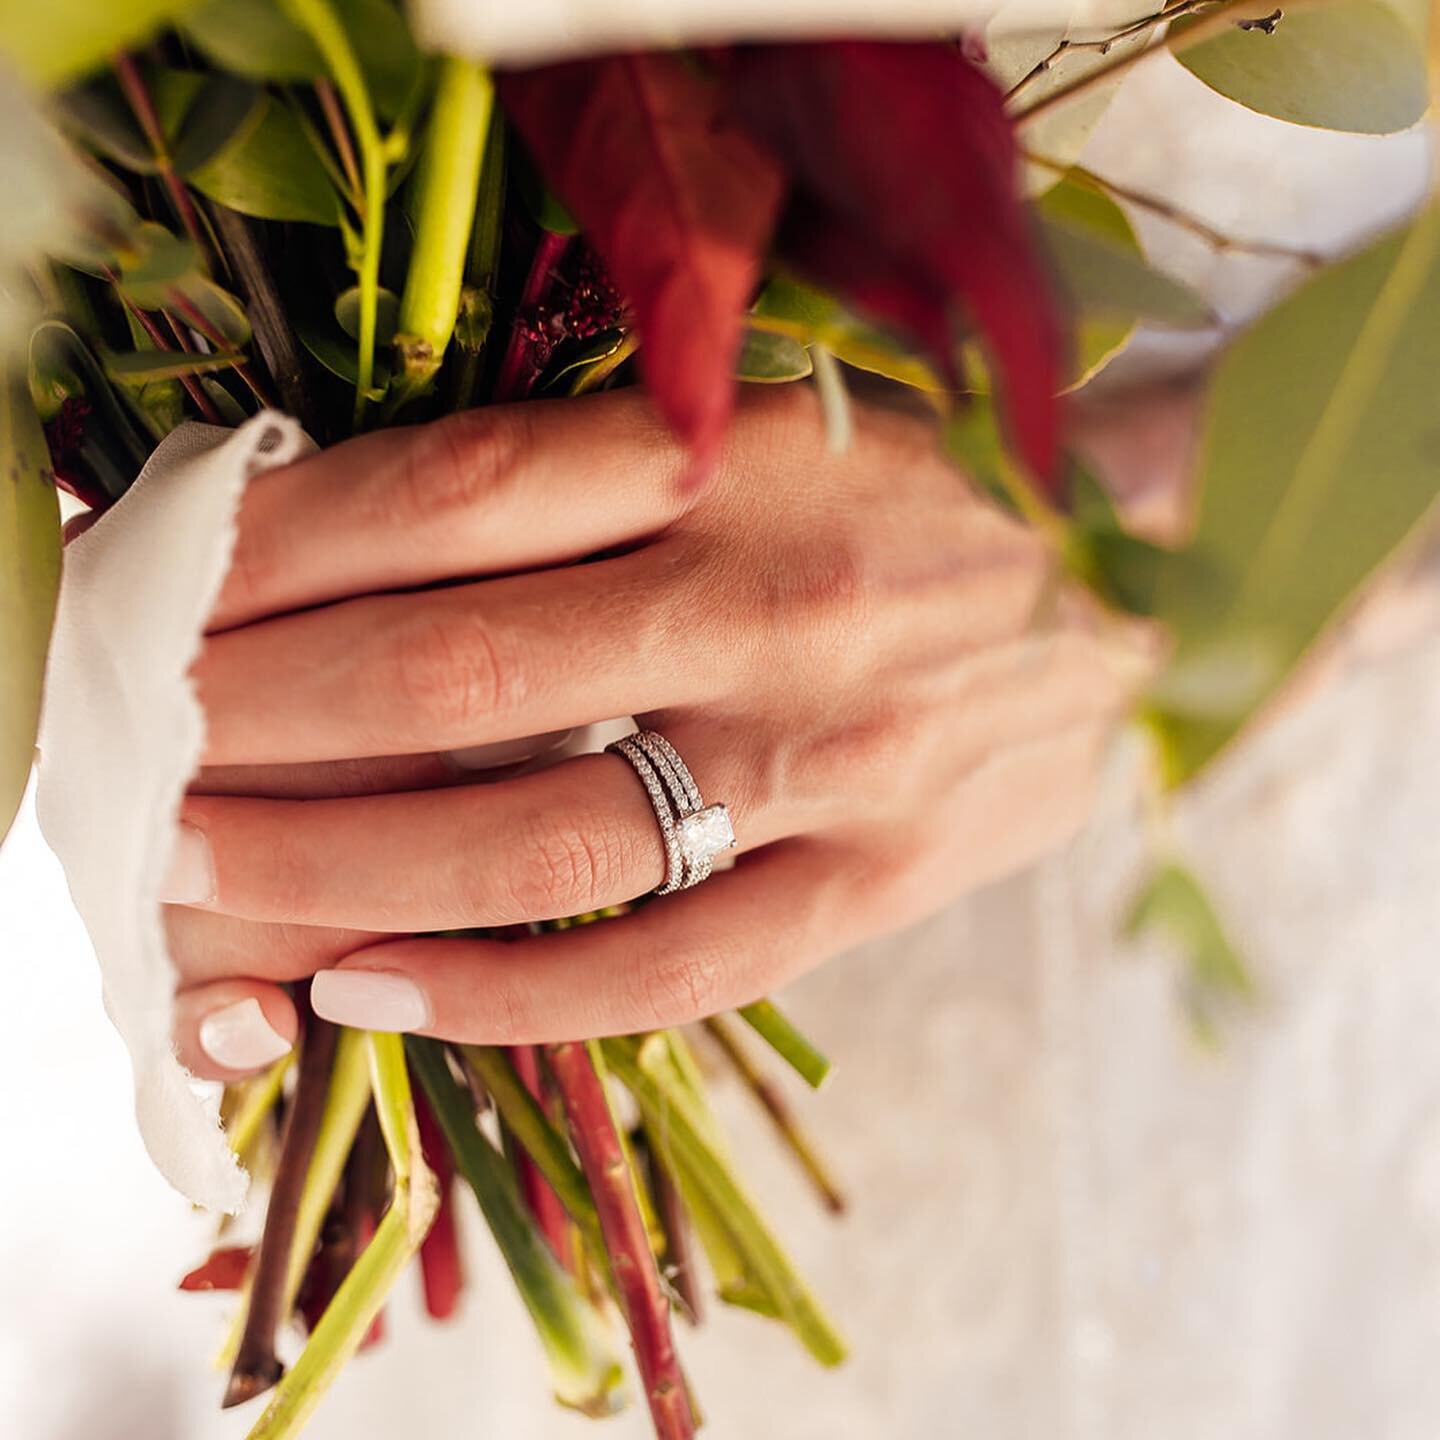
<point x="441" y="1271"/>
<point x="224" y="1270"/>
<point x="905" y="200"/>
<point x="679" y="204"/>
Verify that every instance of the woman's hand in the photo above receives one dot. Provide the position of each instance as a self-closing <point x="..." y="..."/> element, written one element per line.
<point x="867" y="664"/>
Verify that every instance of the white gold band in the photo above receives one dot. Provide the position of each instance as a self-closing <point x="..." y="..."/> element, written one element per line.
<point x="693" y="833"/>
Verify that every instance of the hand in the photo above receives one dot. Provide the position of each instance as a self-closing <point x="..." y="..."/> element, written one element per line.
<point x="867" y="663"/>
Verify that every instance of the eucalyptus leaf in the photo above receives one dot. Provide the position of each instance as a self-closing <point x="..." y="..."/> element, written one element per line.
<point x="52" y="44"/>
<point x="1173" y="907"/>
<point x="1345" y="65"/>
<point x="770" y="359"/>
<point x="1098" y="259"/>
<point x="140" y="367"/>
<point x="29" y="583"/>
<point x="787" y="306"/>
<point x="1319" y="459"/>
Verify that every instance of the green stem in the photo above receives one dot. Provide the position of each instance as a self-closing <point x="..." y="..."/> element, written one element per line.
<point x="768" y="1097"/>
<point x="445" y="195"/>
<point x="771" y="1025"/>
<point x="678" y="1133"/>
<point x="319" y="19"/>
<point x="361" y="1294"/>
<point x="586" y="1373"/>
<point x="539" y="1139"/>
<point x="257" y="1099"/>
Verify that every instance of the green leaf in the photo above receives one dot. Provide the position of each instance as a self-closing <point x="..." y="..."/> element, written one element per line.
<point x="1120" y="567"/>
<point x="1173" y="906"/>
<point x="52" y="44"/>
<point x="29" y="583"/>
<point x="1100" y="263"/>
<point x="1320" y="457"/>
<point x="790" y="307"/>
<point x="219" y="113"/>
<point x="97" y="116"/>
<point x="140" y="367"/>
<point x="255" y="39"/>
<point x="387" y="314"/>
<point x="770" y="359"/>
<point x="271" y="171"/>
<point x="1345" y="65"/>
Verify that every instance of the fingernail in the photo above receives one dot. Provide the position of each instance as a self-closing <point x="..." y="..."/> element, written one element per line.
<point x="506" y="752"/>
<point x="369" y="1000"/>
<point x="239" y="1037"/>
<point x="190" y="880"/>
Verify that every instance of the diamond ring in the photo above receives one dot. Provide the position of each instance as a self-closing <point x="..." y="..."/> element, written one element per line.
<point x="694" y="832"/>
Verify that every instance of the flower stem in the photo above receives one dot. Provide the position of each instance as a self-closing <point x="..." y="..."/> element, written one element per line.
<point x="768" y="1095"/>
<point x="769" y="1022"/>
<point x="679" y="1134"/>
<point x="319" y="19"/>
<point x="540" y="1199"/>
<point x="257" y="1367"/>
<point x="445" y="194"/>
<point x="579" y="1074"/>
<point x="517" y="372"/>
<point x="349" y="1315"/>
<point x="143" y="107"/>
<point x="585" y="1372"/>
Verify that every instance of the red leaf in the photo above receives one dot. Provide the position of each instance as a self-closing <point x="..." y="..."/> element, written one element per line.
<point x="679" y="204"/>
<point x="224" y="1270"/>
<point x="904" y="169"/>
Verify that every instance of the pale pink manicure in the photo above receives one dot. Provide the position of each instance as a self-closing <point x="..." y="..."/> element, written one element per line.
<point x="190" y="880"/>
<point x="239" y="1037"/>
<point x="369" y="1000"/>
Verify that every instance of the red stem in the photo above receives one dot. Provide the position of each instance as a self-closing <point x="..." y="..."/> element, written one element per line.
<point x="441" y="1270"/>
<point x="133" y="84"/>
<point x="647" y="1312"/>
<point x="190" y="383"/>
<point x="541" y="1201"/>
<point x="517" y="375"/>
<point x="257" y="1366"/>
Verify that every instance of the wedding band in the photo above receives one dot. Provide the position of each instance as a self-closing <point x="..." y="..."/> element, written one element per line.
<point x="694" y="833"/>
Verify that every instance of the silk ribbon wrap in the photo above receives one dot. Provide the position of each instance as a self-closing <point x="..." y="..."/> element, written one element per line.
<point x="121" y="735"/>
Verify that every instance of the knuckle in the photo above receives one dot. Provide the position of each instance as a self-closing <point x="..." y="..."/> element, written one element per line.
<point x="455" y="467"/>
<point x="565" y="869"/>
<point x="451" y="669"/>
<point x="676" y="985"/>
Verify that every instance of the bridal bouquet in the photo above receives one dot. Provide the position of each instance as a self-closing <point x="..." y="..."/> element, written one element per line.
<point x="224" y="206"/>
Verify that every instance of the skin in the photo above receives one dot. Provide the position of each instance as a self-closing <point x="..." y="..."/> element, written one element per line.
<point x="873" y="667"/>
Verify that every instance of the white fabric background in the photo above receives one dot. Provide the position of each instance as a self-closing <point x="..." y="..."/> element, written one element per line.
<point x="1069" y="1223"/>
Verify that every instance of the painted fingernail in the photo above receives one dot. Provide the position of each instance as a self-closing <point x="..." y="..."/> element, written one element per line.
<point x="190" y="880"/>
<point x="239" y="1037"/>
<point x="369" y="1000"/>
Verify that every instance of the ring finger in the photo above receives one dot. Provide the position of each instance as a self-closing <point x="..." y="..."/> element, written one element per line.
<point x="576" y="837"/>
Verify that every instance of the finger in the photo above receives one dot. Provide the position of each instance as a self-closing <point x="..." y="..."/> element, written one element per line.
<point x="463" y="666"/>
<point x="480" y="492"/>
<point x="206" y="946"/>
<point x="725" y="943"/>
<point x="573" y="838"/>
<point x="233" y="1028"/>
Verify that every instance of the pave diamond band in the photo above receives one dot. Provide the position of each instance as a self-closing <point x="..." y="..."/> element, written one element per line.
<point x="693" y="832"/>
